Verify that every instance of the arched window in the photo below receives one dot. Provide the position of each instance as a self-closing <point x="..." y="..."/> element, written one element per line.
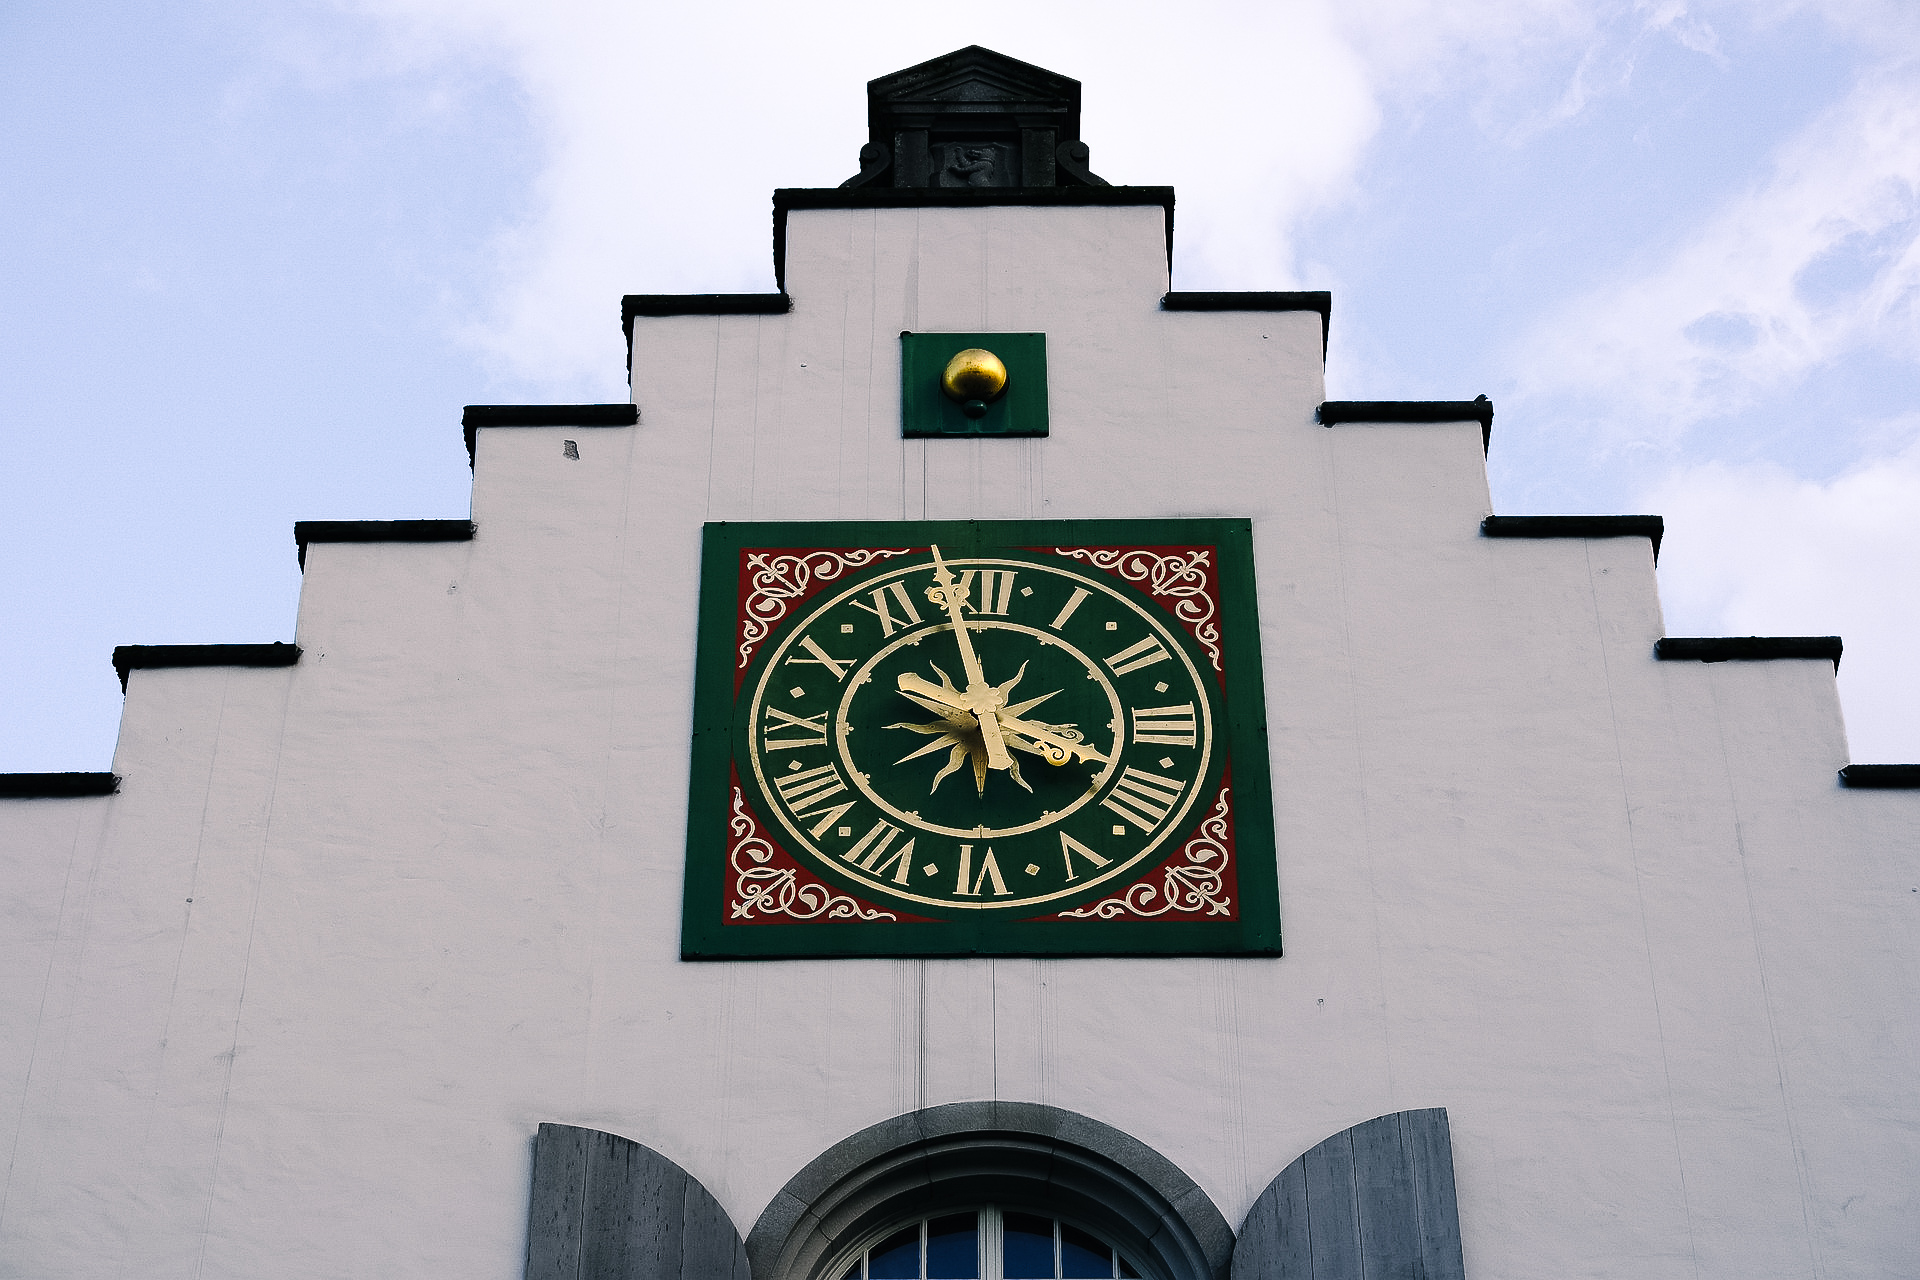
<point x="989" y="1243"/>
<point x="1026" y="1191"/>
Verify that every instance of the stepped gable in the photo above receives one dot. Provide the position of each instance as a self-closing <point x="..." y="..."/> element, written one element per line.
<point x="371" y="962"/>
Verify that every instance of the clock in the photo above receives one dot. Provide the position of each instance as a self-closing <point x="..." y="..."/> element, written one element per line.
<point x="951" y="738"/>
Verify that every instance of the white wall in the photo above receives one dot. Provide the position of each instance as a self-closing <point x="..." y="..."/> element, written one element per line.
<point x="1614" y="914"/>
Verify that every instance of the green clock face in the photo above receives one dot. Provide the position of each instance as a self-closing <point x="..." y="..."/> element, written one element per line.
<point x="980" y="733"/>
<point x="979" y="738"/>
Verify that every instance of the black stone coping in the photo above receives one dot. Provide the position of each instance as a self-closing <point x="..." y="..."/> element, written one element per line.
<point x="1297" y="300"/>
<point x="696" y="304"/>
<point x="787" y="199"/>
<point x="1881" y="777"/>
<point x="305" y="531"/>
<point x="56" y="786"/>
<point x="1479" y="409"/>
<point x="1746" y="648"/>
<point x="475" y="416"/>
<point x="149" y="657"/>
<point x="1576" y="527"/>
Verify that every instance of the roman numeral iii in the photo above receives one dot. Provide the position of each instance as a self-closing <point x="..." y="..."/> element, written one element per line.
<point x="1171" y="726"/>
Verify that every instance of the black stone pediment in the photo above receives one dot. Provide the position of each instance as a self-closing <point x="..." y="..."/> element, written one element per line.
<point x="976" y="77"/>
<point x="974" y="119"/>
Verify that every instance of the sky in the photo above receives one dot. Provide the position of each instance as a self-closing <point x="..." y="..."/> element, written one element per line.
<point x="255" y="257"/>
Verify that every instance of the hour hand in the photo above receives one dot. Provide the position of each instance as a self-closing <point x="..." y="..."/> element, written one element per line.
<point x="1056" y="749"/>
<point x="950" y="714"/>
<point x="940" y="698"/>
<point x="921" y="687"/>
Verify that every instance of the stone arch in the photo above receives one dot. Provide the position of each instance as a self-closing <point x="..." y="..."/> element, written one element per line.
<point x="1015" y="1153"/>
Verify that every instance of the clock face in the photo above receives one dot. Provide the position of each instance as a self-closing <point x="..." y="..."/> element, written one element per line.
<point x="951" y="738"/>
<point x="871" y="727"/>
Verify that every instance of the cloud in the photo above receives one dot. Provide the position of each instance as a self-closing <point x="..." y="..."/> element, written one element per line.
<point x="1819" y="259"/>
<point x="1754" y="550"/>
<point x="666" y="126"/>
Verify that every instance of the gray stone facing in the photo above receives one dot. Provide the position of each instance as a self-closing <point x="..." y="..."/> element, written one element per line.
<point x="1375" y="1200"/>
<point x="605" y="1207"/>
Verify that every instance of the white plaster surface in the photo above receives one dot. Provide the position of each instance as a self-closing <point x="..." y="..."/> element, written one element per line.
<point x="1615" y="915"/>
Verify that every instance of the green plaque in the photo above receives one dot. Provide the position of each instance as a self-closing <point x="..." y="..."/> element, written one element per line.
<point x="979" y="738"/>
<point x="927" y="410"/>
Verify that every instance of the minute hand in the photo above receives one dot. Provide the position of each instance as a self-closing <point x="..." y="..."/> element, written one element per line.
<point x="950" y="597"/>
<point x="979" y="692"/>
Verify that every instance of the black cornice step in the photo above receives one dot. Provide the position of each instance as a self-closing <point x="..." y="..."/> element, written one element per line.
<point x="1479" y="409"/>
<point x="475" y="416"/>
<point x="1576" y="527"/>
<point x="150" y="657"/>
<point x="305" y="531"/>
<point x="54" y="786"/>
<point x="701" y="304"/>
<point x="786" y="199"/>
<point x="1746" y="648"/>
<point x="1295" y="300"/>
<point x="1881" y="777"/>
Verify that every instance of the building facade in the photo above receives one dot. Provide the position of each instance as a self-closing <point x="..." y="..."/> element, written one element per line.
<point x="432" y="943"/>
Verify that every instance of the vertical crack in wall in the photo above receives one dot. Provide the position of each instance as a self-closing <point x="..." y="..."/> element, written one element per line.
<point x="246" y="973"/>
<point x="1802" y="1174"/>
<point x="1640" y="901"/>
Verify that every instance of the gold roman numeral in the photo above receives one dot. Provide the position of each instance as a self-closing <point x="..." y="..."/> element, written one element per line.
<point x="1073" y="602"/>
<point x="1069" y="846"/>
<point x="880" y="609"/>
<point x="808" y="787"/>
<point x="812" y="730"/>
<point x="1135" y="656"/>
<point x="989" y="870"/>
<point x="820" y="659"/>
<point x="870" y="852"/>
<point x="996" y="590"/>
<point x="1173" y="726"/>
<point x="1144" y="799"/>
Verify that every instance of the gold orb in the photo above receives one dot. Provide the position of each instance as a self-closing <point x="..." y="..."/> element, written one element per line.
<point x="974" y="374"/>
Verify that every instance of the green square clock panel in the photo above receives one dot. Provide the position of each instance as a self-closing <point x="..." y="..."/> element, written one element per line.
<point x="971" y="405"/>
<point x="979" y="738"/>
